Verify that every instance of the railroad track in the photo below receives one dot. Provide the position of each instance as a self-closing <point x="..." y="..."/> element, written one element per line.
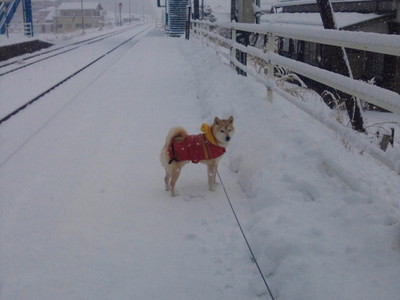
<point x="5" y="116"/>
<point x="44" y="55"/>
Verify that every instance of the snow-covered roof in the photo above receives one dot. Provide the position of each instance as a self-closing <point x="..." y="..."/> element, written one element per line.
<point x="51" y="14"/>
<point x="78" y="5"/>
<point x="342" y="19"/>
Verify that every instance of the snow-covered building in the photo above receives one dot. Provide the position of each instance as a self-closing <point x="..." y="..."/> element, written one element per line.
<point x="44" y="21"/>
<point x="71" y="16"/>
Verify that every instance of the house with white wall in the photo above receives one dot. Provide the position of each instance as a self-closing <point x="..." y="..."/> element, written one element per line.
<point x="72" y="16"/>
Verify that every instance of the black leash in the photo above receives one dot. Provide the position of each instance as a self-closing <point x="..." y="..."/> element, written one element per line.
<point x="173" y="155"/>
<point x="245" y="238"/>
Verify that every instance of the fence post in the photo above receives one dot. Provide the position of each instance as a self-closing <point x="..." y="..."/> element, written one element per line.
<point x="233" y="49"/>
<point x="270" y="67"/>
<point x="242" y="37"/>
<point x="207" y="35"/>
<point x="197" y="29"/>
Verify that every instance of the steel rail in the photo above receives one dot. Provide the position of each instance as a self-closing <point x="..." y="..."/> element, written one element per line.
<point x="77" y="44"/>
<point x="24" y="106"/>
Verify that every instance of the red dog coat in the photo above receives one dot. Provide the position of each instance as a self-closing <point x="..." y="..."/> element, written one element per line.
<point x="194" y="148"/>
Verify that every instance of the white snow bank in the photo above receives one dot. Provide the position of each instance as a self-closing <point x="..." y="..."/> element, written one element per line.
<point x="324" y="220"/>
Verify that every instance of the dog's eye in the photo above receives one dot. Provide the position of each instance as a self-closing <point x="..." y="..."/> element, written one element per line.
<point x="223" y="131"/>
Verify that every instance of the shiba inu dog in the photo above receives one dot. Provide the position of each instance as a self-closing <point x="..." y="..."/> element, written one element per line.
<point x="207" y="148"/>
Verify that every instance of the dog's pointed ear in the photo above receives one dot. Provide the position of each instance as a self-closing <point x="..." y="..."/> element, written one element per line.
<point x="217" y="120"/>
<point x="230" y="120"/>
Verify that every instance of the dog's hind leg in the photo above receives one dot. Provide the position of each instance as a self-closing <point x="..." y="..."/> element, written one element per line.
<point x="175" y="172"/>
<point x="166" y="179"/>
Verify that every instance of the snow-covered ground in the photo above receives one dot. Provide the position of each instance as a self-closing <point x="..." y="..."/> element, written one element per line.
<point x="57" y="39"/>
<point x="83" y="213"/>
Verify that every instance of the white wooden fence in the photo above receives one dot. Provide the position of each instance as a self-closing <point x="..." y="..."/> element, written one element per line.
<point x="379" y="43"/>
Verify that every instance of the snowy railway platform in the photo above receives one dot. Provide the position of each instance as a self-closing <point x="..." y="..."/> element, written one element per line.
<point x="84" y="214"/>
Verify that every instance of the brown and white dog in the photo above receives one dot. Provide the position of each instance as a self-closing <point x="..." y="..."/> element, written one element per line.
<point x="207" y="148"/>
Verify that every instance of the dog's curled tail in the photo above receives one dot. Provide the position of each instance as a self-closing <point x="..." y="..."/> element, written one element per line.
<point x="177" y="134"/>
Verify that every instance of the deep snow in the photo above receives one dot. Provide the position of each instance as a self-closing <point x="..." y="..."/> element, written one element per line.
<point x="83" y="214"/>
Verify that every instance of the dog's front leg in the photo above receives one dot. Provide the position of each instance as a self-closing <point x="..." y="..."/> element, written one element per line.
<point x="215" y="174"/>
<point x="211" y="172"/>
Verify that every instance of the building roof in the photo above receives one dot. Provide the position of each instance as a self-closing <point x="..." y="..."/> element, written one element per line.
<point x="77" y="5"/>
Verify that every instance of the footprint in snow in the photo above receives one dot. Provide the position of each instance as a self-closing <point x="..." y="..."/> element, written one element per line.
<point x="190" y="236"/>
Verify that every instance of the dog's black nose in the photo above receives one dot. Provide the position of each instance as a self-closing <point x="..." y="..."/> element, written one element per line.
<point x="227" y="138"/>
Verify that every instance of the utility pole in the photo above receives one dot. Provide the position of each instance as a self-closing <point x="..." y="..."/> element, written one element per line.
<point x="130" y="15"/>
<point x="83" y="18"/>
<point x="120" y="13"/>
<point x="188" y="16"/>
<point x="233" y="11"/>
<point x="336" y="61"/>
<point x="56" y="18"/>
<point x="196" y="10"/>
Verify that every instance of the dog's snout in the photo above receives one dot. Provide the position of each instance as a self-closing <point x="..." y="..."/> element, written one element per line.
<point x="227" y="138"/>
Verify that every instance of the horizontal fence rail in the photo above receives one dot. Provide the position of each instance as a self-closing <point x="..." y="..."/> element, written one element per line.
<point x="365" y="41"/>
